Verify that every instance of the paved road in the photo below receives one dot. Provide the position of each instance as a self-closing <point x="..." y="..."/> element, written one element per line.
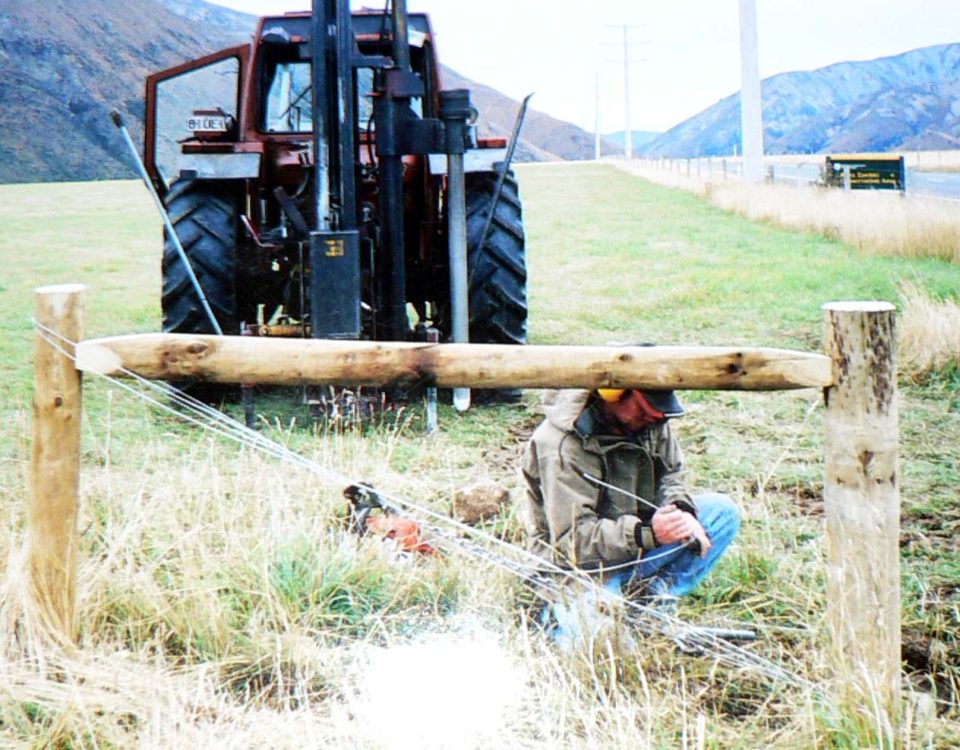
<point x="939" y="184"/>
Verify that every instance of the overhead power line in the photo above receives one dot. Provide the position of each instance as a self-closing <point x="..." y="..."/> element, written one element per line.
<point x="627" y="62"/>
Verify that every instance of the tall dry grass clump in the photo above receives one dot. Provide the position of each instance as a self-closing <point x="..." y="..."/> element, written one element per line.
<point x="871" y="221"/>
<point x="219" y="593"/>
<point x="929" y="333"/>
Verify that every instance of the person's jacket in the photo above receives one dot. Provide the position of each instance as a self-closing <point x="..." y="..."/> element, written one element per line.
<point x="571" y="519"/>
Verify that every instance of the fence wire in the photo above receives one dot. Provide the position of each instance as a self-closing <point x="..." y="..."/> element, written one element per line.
<point x="548" y="581"/>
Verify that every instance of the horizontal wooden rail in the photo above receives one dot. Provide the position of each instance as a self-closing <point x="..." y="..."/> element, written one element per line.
<point x="235" y="359"/>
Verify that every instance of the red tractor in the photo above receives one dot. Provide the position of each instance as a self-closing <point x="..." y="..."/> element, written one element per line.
<point x="319" y="181"/>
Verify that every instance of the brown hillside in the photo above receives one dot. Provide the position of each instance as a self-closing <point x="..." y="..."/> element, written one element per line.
<point x="65" y="65"/>
<point x="543" y="138"/>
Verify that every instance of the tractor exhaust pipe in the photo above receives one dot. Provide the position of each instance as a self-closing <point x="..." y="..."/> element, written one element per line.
<point x="171" y="232"/>
<point x="401" y="48"/>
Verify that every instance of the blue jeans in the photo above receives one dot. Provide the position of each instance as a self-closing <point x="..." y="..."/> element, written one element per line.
<point x="671" y="570"/>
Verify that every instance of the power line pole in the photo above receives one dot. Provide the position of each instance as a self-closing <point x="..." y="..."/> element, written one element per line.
<point x="751" y="105"/>
<point x="627" y="62"/>
<point x="596" y="122"/>
<point x="626" y="99"/>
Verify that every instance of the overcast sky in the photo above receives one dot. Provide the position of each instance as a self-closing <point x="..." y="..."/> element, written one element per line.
<point x="684" y="53"/>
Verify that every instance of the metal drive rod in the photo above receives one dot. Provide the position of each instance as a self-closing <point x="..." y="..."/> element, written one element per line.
<point x="459" y="289"/>
<point x="458" y="249"/>
<point x="514" y="137"/>
<point x="171" y="232"/>
<point x="455" y="108"/>
<point x="433" y="337"/>
<point x="321" y="153"/>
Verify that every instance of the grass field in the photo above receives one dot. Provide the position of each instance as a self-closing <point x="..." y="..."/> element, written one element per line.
<point x="874" y="222"/>
<point x="221" y="604"/>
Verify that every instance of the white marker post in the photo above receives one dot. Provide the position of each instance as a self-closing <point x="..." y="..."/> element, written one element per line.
<point x="751" y="105"/>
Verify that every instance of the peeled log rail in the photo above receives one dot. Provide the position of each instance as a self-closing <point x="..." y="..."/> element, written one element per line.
<point x="234" y="359"/>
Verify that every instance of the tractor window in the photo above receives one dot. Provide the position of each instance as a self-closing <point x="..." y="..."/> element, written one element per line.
<point x="365" y="90"/>
<point x="209" y="88"/>
<point x="289" y="101"/>
<point x="364" y="96"/>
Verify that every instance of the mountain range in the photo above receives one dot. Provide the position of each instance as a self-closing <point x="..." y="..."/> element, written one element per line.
<point x="64" y="65"/>
<point x="905" y="102"/>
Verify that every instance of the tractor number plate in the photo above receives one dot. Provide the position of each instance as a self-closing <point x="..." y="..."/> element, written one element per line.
<point x="207" y="123"/>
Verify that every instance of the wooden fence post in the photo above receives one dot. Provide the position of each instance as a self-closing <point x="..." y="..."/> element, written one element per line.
<point x="862" y="504"/>
<point x="55" y="464"/>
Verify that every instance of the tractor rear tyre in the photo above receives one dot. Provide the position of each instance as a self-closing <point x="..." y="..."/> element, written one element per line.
<point x="497" y="270"/>
<point x="204" y="215"/>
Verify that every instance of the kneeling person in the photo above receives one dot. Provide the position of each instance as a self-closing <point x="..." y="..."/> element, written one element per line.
<point x="604" y="489"/>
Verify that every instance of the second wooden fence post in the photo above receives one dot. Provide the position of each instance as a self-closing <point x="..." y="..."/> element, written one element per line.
<point x="862" y="505"/>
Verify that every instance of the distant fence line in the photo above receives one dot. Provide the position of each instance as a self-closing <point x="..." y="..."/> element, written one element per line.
<point x="808" y="171"/>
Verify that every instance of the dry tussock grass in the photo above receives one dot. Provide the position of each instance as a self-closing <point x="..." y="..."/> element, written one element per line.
<point x="929" y="333"/>
<point x="222" y="605"/>
<point x="202" y="625"/>
<point x="873" y="222"/>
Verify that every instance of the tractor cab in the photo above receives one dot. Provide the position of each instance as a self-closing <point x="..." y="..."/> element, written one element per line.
<point x="324" y="210"/>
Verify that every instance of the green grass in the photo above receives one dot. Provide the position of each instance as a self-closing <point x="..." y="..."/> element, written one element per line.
<point x="661" y="265"/>
<point x="220" y="589"/>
